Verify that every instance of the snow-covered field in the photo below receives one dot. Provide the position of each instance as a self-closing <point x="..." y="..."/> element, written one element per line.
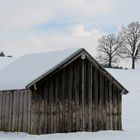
<point x="131" y="116"/>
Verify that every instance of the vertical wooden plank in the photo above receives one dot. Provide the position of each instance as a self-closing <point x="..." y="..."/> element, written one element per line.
<point x="80" y="96"/>
<point x="26" y="92"/>
<point x="14" y="112"/>
<point x="58" y="101"/>
<point x="10" y="111"/>
<point x="83" y="95"/>
<point x="96" y="88"/>
<point x="117" y="114"/>
<point x="62" y="100"/>
<point x="61" y="104"/>
<point x="41" y="110"/>
<point x="29" y="111"/>
<point x="120" y="110"/>
<point x="93" y="100"/>
<point x="42" y="122"/>
<point x="90" y="95"/>
<point x="66" y="101"/>
<point x="32" y="112"/>
<point x="6" y="103"/>
<point x="45" y="108"/>
<point x="103" y="103"/>
<point x="0" y="111"/>
<point x="24" y="111"/>
<point x="49" y="109"/>
<point x="38" y="111"/>
<point x="51" y="103"/>
<point x="115" y="108"/>
<point x="106" y="103"/>
<point x="74" y="92"/>
<point x="86" y="95"/>
<point x="110" y="104"/>
<point x="100" y="103"/>
<point x="70" y="98"/>
<point x="12" y="100"/>
<point x="17" y="109"/>
<point x="3" y="112"/>
<point x="65" y="78"/>
<point x="21" y="101"/>
<point x="76" y="88"/>
<point x="98" y="115"/>
<point x="56" y="104"/>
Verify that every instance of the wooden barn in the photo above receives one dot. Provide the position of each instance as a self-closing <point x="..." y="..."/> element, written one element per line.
<point x="60" y="91"/>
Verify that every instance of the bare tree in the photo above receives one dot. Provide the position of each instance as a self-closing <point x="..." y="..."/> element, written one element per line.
<point x="109" y="47"/>
<point x="131" y="36"/>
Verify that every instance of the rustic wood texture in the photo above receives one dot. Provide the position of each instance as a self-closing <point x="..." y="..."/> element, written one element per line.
<point x="76" y="98"/>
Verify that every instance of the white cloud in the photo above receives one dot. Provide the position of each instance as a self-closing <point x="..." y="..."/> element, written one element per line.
<point x="83" y="10"/>
<point x="42" y="41"/>
<point x="22" y="18"/>
<point x="27" y="13"/>
<point x="79" y="30"/>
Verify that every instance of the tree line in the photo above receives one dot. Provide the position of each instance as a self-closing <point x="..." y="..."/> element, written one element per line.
<point x="2" y="54"/>
<point x="116" y="46"/>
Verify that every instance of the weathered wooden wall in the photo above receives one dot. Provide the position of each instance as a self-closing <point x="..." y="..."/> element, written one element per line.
<point x="76" y="98"/>
<point x="15" y="110"/>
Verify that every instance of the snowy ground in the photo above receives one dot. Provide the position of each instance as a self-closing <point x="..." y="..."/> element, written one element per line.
<point x="131" y="114"/>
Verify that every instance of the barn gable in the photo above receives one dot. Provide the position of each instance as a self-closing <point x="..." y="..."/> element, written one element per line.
<point x="83" y="54"/>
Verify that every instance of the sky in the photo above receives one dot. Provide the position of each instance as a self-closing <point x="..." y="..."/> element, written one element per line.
<point x="31" y="26"/>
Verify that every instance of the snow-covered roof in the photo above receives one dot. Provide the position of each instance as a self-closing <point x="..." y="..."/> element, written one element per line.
<point x="4" y="61"/>
<point x="28" y="68"/>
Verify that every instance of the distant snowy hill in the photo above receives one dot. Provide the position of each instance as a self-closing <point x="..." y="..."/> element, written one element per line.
<point x="4" y="61"/>
<point x="131" y="114"/>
